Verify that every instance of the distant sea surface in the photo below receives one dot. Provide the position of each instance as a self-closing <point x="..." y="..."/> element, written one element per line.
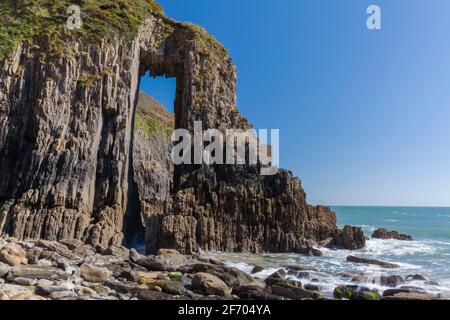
<point x="428" y="255"/>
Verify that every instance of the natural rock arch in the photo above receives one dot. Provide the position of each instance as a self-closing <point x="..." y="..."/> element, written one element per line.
<point x="66" y="128"/>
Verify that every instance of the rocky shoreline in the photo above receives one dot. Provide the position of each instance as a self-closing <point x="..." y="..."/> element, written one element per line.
<point x="72" y="270"/>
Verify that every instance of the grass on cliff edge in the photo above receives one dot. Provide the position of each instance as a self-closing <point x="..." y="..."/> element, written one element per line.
<point x="22" y="20"/>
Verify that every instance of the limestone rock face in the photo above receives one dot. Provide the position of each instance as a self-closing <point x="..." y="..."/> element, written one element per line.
<point x="74" y="166"/>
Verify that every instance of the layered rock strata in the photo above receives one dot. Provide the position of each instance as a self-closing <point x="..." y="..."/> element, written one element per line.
<point x="67" y="145"/>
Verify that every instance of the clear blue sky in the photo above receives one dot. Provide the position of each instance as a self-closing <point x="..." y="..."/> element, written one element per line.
<point x="364" y="115"/>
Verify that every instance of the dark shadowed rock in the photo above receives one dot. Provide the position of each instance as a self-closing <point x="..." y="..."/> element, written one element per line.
<point x="415" y="277"/>
<point x="257" y="269"/>
<point x="389" y="281"/>
<point x="292" y="292"/>
<point x="143" y="294"/>
<point x="382" y="264"/>
<point x="276" y="277"/>
<point x="385" y="234"/>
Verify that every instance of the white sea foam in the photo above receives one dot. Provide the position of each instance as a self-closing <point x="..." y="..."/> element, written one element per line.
<point x="428" y="258"/>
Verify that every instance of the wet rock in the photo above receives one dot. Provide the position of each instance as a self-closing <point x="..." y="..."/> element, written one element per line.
<point x="300" y="268"/>
<point x="293" y="292"/>
<point x="349" y="238"/>
<point x="344" y="292"/>
<point x="210" y="285"/>
<point x="409" y="296"/>
<point x="354" y="277"/>
<point x="301" y="274"/>
<point x="415" y="277"/>
<point x="276" y="277"/>
<point x="94" y="274"/>
<point x="392" y="292"/>
<point x="253" y="292"/>
<point x="13" y="255"/>
<point x="382" y="264"/>
<point x="365" y="295"/>
<point x="385" y="234"/>
<point x="257" y="269"/>
<point x="312" y="287"/>
<point x="307" y="248"/>
<point x="389" y="281"/>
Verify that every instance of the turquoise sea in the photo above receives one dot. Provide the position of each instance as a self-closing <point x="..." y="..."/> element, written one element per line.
<point x="428" y="255"/>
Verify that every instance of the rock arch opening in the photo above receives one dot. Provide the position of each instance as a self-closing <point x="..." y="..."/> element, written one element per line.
<point x="151" y="170"/>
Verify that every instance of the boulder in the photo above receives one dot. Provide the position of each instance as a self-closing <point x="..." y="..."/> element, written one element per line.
<point x="344" y="292"/>
<point x="414" y="296"/>
<point x="254" y="292"/>
<point x="354" y="277"/>
<point x="210" y="285"/>
<point x="293" y="292"/>
<point x="168" y="252"/>
<point x="72" y="244"/>
<point x="393" y="292"/>
<point x="257" y="269"/>
<point x="38" y="272"/>
<point x="366" y="295"/>
<point x="415" y="277"/>
<point x="169" y="262"/>
<point x="231" y="276"/>
<point x="312" y="287"/>
<point x="116" y="251"/>
<point x="349" y="238"/>
<point x="385" y="234"/>
<point x="276" y="277"/>
<point x="93" y="273"/>
<point x="63" y="295"/>
<point x="389" y="281"/>
<point x="13" y="255"/>
<point x="4" y="269"/>
<point x="145" y="294"/>
<point x="382" y="264"/>
<point x="27" y="297"/>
